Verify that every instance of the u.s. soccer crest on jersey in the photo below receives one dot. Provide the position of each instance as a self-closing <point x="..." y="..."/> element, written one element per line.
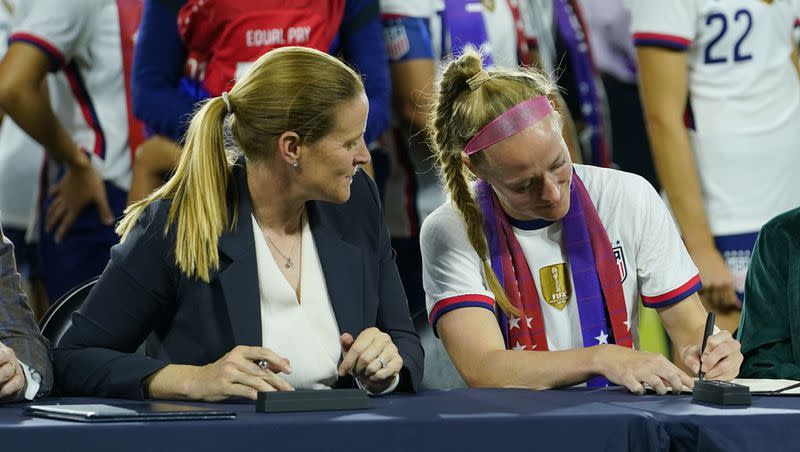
<point x="619" y="255"/>
<point x="397" y="45"/>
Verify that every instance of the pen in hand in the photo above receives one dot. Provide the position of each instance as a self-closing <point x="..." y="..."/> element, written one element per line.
<point x="710" y="321"/>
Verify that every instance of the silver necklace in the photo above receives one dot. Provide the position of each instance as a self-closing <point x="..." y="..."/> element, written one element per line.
<point x="289" y="262"/>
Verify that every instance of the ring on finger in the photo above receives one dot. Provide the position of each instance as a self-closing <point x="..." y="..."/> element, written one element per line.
<point x="383" y="362"/>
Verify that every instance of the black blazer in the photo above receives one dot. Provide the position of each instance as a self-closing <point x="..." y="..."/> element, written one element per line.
<point x="143" y="293"/>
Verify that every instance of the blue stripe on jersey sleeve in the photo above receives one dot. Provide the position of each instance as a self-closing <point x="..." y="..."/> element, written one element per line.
<point x="668" y="299"/>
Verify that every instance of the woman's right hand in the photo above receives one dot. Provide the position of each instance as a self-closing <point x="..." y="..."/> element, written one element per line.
<point x="237" y="375"/>
<point x="633" y="369"/>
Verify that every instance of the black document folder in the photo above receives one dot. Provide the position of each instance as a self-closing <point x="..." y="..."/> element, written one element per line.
<point x="127" y="412"/>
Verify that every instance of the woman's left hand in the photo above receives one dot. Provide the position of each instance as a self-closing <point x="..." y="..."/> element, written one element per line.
<point x="721" y="358"/>
<point x="372" y="358"/>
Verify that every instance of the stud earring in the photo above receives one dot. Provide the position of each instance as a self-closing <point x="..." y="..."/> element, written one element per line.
<point x="295" y="163"/>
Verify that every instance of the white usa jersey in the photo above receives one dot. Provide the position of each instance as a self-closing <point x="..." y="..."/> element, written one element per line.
<point x="20" y="156"/>
<point x="744" y="101"/>
<point x="653" y="262"/>
<point x="91" y="43"/>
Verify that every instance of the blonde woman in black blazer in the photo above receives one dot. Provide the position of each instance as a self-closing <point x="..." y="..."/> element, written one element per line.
<point x="187" y="273"/>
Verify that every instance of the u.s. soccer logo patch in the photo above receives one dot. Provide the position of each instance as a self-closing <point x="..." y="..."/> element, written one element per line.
<point x="619" y="255"/>
<point x="397" y="45"/>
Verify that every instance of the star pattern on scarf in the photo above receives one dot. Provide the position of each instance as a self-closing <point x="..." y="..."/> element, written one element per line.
<point x="528" y="320"/>
<point x="518" y="346"/>
<point x="627" y="324"/>
<point x="513" y="322"/>
<point x="602" y="338"/>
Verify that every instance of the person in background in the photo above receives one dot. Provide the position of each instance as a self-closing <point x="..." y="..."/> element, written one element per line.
<point x="88" y="131"/>
<point x="608" y="25"/>
<point x="273" y="251"/>
<point x="721" y="96"/>
<point x="412" y="190"/>
<point x="560" y="44"/>
<point x="25" y="369"/>
<point x="533" y="276"/>
<point x="181" y="61"/>
<point x="20" y="163"/>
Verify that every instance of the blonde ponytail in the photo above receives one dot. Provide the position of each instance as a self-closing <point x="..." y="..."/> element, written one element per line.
<point x="198" y="193"/>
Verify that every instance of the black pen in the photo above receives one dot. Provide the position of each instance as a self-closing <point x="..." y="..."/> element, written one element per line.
<point x="710" y="320"/>
<point x="785" y="388"/>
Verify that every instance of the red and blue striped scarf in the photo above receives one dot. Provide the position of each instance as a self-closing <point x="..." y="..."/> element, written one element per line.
<point x="598" y="286"/>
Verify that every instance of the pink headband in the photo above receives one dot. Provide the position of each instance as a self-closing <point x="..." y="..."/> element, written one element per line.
<point x="513" y="121"/>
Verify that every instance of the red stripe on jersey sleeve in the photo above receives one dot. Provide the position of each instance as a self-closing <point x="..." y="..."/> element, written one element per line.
<point x="673" y="296"/>
<point x="55" y="55"/>
<point x="446" y="305"/>
<point x="661" y="40"/>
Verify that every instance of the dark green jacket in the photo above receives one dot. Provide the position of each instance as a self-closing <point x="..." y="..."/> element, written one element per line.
<point x="770" y="326"/>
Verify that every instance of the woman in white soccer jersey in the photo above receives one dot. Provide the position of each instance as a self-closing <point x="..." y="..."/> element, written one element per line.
<point x="448" y="27"/>
<point x="85" y="125"/>
<point x="722" y="101"/>
<point x="546" y="256"/>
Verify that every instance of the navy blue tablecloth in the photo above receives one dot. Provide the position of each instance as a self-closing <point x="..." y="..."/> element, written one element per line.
<point x="769" y="424"/>
<point x="464" y="419"/>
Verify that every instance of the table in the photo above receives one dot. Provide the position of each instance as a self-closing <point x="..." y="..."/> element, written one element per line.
<point x="463" y="419"/>
<point x="770" y="424"/>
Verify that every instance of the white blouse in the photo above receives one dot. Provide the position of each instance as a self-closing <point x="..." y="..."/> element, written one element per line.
<point x="305" y="332"/>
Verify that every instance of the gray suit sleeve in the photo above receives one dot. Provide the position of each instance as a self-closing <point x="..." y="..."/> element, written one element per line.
<point x="18" y="328"/>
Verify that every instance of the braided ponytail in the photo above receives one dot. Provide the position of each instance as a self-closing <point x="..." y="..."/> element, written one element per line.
<point x="452" y="169"/>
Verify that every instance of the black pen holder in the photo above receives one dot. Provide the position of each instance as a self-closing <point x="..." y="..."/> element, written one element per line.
<point x="311" y="400"/>
<point x="717" y="392"/>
